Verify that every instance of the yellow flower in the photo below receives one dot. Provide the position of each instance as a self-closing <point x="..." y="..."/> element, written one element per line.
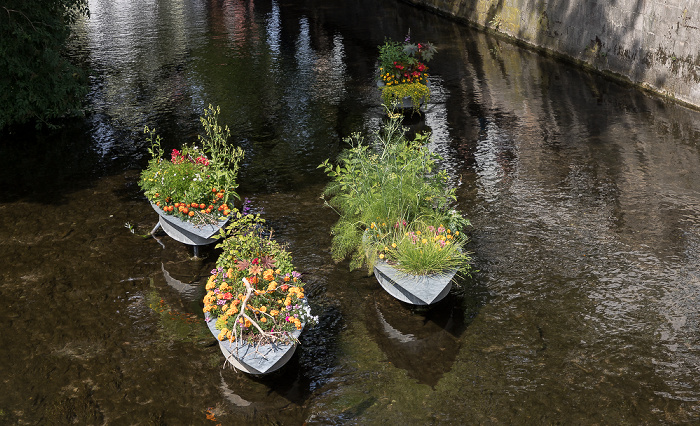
<point x="381" y="255"/>
<point x="423" y="241"/>
<point x="263" y="309"/>
<point x="274" y="312"/>
<point x="393" y="245"/>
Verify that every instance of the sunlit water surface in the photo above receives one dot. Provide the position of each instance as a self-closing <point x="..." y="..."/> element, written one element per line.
<point x="583" y="194"/>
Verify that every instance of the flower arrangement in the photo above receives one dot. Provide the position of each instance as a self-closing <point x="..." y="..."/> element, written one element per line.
<point x="393" y="205"/>
<point x="403" y="71"/>
<point x="254" y="293"/>
<point x="195" y="184"/>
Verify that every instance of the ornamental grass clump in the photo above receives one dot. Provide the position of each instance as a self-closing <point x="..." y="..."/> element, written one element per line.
<point x="196" y="184"/>
<point x="387" y="189"/>
<point x="403" y="71"/>
<point x="255" y="295"/>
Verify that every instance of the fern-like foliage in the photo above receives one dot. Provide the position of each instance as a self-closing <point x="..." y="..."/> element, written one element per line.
<point x="389" y="180"/>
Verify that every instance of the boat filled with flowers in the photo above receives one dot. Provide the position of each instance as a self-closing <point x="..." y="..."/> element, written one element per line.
<point x="403" y="73"/>
<point x="255" y="303"/>
<point x="193" y="191"/>
<point x="395" y="216"/>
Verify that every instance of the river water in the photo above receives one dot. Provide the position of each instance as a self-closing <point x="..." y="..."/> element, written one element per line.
<point x="584" y="196"/>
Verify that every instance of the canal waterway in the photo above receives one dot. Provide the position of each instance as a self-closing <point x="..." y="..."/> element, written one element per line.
<point x="584" y="195"/>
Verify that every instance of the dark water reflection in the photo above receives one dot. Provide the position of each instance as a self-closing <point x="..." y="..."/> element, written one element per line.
<point x="583" y="195"/>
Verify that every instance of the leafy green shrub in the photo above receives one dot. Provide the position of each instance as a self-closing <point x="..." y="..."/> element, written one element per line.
<point x="383" y="190"/>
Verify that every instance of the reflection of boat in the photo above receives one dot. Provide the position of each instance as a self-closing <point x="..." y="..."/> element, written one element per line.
<point x="254" y="359"/>
<point x="189" y="291"/>
<point x="413" y="289"/>
<point x="230" y="395"/>
<point x="425" y="344"/>
<point x="186" y="232"/>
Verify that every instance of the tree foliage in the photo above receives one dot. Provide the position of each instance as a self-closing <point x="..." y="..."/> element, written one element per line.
<point x="37" y="81"/>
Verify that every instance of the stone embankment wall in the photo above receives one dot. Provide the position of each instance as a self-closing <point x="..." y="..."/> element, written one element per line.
<point x="653" y="43"/>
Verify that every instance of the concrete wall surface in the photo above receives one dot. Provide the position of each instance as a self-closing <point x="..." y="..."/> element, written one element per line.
<point x="653" y="43"/>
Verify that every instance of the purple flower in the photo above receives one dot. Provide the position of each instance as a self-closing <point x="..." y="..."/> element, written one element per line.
<point x="220" y="302"/>
<point x="296" y="274"/>
<point x="246" y="206"/>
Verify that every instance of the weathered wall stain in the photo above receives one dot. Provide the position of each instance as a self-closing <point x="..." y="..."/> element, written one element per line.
<point x="652" y="43"/>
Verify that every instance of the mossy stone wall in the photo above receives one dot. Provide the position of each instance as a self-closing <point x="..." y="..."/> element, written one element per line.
<point x="652" y="43"/>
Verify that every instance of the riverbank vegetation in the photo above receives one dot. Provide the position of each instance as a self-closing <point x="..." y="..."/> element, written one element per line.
<point x="39" y="83"/>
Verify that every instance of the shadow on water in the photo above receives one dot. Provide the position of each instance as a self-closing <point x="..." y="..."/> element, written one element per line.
<point x="423" y="340"/>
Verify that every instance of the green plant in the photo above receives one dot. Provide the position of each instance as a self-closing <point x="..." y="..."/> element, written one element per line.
<point x="39" y="82"/>
<point x="381" y="193"/>
<point x="420" y="247"/>
<point x="196" y="184"/>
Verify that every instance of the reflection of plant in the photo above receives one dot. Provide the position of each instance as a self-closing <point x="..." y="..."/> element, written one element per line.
<point x="196" y="184"/>
<point x="254" y="293"/>
<point x="175" y="325"/>
<point x="383" y="195"/>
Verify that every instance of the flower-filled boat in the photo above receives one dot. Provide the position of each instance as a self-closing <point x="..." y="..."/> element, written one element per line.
<point x="255" y="303"/>
<point x="403" y="73"/>
<point x="395" y="216"/>
<point x="194" y="190"/>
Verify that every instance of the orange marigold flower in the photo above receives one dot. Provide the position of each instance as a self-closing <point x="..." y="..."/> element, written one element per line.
<point x="222" y="334"/>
